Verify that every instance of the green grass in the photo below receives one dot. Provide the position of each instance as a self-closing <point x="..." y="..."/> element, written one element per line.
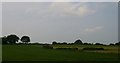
<point x="110" y="49"/>
<point x="37" y="53"/>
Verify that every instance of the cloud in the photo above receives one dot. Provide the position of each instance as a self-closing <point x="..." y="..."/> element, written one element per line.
<point x="94" y="29"/>
<point x="62" y="0"/>
<point x="80" y="9"/>
<point x="59" y="0"/>
<point x="0" y="19"/>
<point x="63" y="9"/>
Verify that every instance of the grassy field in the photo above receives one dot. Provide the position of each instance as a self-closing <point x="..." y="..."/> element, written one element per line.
<point x="38" y="53"/>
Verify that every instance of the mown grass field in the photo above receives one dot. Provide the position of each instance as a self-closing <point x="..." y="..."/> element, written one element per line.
<point x="38" y="53"/>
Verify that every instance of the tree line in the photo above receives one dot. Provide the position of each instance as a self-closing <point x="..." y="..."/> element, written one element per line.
<point x="76" y="42"/>
<point x="13" y="39"/>
<point x="79" y="42"/>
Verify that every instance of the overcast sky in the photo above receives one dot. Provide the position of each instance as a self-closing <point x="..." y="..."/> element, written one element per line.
<point x="53" y="21"/>
<point x="59" y="0"/>
<point x="0" y="19"/>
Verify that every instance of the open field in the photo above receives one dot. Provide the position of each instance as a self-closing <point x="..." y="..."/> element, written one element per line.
<point x="38" y="53"/>
<point x="108" y="49"/>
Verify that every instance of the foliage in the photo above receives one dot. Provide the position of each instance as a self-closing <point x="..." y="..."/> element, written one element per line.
<point x="4" y="40"/>
<point x="117" y="43"/>
<point x="54" y="42"/>
<point x="112" y="44"/>
<point x="12" y="39"/>
<point x="25" y="39"/>
<point x="98" y="44"/>
<point x="78" y="42"/>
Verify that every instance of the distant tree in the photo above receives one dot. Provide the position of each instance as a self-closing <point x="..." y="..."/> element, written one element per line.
<point x="4" y="40"/>
<point x="25" y="39"/>
<point x="111" y="44"/>
<point x="78" y="42"/>
<point x="117" y="43"/>
<point x="64" y="43"/>
<point x="54" y="42"/>
<point x="12" y="39"/>
<point x="86" y="43"/>
<point x="98" y="44"/>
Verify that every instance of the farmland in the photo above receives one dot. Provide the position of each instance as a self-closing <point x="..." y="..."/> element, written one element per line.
<point x="38" y="53"/>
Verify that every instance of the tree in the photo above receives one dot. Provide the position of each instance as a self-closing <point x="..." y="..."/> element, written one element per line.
<point x="4" y="40"/>
<point x="54" y="42"/>
<point x="98" y="44"/>
<point x="111" y="44"/>
<point x="78" y="42"/>
<point x="12" y="39"/>
<point x="25" y="39"/>
<point x="117" y="43"/>
<point x="64" y="43"/>
<point x="86" y="43"/>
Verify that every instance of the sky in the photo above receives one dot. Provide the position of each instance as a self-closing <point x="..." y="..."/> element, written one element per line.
<point x="59" y="0"/>
<point x="0" y="19"/>
<point x="46" y="22"/>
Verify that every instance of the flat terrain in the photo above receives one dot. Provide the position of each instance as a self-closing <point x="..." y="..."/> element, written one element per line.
<point x="38" y="53"/>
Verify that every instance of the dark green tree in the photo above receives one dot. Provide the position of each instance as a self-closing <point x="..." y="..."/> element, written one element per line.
<point x="98" y="44"/>
<point x="4" y="40"/>
<point x="54" y="42"/>
<point x="64" y="43"/>
<point x="78" y="42"/>
<point x="117" y="43"/>
<point x="112" y="44"/>
<point x="25" y="39"/>
<point x="12" y="39"/>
